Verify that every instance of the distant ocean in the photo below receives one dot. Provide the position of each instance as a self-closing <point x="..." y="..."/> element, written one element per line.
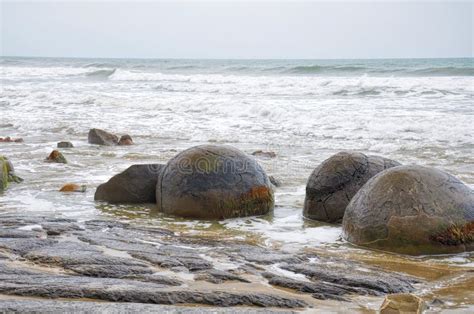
<point x="411" y="110"/>
<point x="374" y="67"/>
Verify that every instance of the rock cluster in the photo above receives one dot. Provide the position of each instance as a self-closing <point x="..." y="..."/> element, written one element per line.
<point x="405" y="209"/>
<point x="8" y="139"/>
<point x="101" y="137"/>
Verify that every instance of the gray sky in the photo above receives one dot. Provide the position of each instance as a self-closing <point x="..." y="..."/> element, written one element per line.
<point x="237" y="29"/>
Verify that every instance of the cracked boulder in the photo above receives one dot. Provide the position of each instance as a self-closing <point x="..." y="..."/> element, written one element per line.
<point x="412" y="210"/>
<point x="137" y="184"/>
<point x="213" y="182"/>
<point x="332" y="184"/>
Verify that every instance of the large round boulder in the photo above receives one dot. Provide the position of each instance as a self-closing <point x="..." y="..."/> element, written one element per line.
<point x="137" y="184"/>
<point x="332" y="184"/>
<point x="213" y="182"/>
<point x="412" y="210"/>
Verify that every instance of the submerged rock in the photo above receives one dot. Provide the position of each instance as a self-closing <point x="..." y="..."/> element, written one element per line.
<point x="137" y="184"/>
<point x="8" y="139"/>
<point x="332" y="184"/>
<point x="71" y="187"/>
<point x="261" y="153"/>
<point x="65" y="145"/>
<point x="125" y="140"/>
<point x="213" y="182"/>
<point x="276" y="182"/>
<point x="402" y="303"/>
<point x="56" y="156"/>
<point x="101" y="137"/>
<point x="412" y="210"/>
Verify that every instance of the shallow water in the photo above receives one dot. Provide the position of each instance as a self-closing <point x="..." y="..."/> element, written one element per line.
<point x="413" y="111"/>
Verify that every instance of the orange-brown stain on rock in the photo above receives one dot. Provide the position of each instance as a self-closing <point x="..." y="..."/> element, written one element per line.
<point x="261" y="192"/>
<point x="456" y="235"/>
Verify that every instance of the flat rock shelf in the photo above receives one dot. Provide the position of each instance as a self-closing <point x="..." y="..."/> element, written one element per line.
<point x="44" y="261"/>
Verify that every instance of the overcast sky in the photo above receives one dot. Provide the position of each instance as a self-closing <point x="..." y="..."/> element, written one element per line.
<point x="237" y="29"/>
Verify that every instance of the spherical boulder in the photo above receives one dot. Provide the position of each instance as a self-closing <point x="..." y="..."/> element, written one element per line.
<point x="412" y="210"/>
<point x="332" y="184"/>
<point x="213" y="182"/>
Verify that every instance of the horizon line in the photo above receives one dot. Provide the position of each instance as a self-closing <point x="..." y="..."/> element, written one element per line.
<point x="233" y="58"/>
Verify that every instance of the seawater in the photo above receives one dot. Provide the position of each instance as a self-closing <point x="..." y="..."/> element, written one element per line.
<point x="414" y="111"/>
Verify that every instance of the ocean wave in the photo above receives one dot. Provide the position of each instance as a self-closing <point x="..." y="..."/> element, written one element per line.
<point x="101" y="74"/>
<point x="444" y="71"/>
<point x="182" y="67"/>
<point x="100" y="65"/>
<point x="316" y="69"/>
<point x="380" y="71"/>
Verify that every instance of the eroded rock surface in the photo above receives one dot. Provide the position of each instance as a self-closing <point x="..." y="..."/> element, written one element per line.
<point x="332" y="184"/>
<point x="113" y="261"/>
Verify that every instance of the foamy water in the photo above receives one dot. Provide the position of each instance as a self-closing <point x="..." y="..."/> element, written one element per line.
<point x="413" y="111"/>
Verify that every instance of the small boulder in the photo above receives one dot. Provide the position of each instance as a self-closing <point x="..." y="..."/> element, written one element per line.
<point x="412" y="210"/>
<point x="137" y="184"/>
<point x="56" y="156"/>
<point x="8" y="139"/>
<point x="125" y="140"/>
<point x="336" y="180"/>
<point x="276" y="182"/>
<point x="101" y="137"/>
<point x="213" y="182"/>
<point x="7" y="173"/>
<point x="71" y="187"/>
<point x="401" y="303"/>
<point x="261" y="153"/>
<point x="65" y="145"/>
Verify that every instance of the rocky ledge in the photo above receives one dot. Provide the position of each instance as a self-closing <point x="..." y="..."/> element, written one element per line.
<point x="55" y="258"/>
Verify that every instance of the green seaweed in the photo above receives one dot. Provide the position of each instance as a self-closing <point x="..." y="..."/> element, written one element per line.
<point x="4" y="173"/>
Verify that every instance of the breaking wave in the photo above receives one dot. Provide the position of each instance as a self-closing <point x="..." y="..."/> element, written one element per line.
<point x="101" y="74"/>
